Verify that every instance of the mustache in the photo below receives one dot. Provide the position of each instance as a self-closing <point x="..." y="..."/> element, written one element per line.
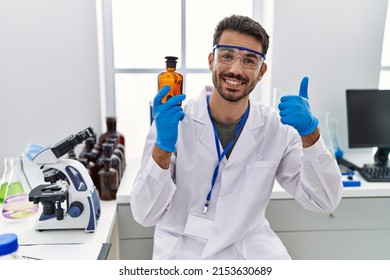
<point x="234" y="76"/>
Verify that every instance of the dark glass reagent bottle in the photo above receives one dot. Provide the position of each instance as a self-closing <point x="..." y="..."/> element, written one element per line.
<point x="108" y="152"/>
<point x="111" y="130"/>
<point x="108" y="181"/>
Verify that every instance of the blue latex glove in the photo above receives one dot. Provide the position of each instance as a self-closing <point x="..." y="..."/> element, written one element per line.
<point x="166" y="117"/>
<point x="295" y="111"/>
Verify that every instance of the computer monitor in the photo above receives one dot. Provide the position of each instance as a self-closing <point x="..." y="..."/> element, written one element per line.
<point x="368" y="118"/>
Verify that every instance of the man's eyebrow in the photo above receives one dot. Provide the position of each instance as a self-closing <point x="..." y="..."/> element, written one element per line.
<point x="227" y="49"/>
<point x="250" y="54"/>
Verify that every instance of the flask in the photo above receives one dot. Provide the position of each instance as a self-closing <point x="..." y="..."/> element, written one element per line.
<point x="9" y="247"/>
<point x="323" y="125"/>
<point x="8" y="162"/>
<point x="108" y="181"/>
<point x="334" y="131"/>
<point x="111" y="130"/>
<point x="16" y="205"/>
<point x="171" y="78"/>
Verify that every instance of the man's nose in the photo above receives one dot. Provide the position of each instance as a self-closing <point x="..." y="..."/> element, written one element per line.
<point x="237" y="64"/>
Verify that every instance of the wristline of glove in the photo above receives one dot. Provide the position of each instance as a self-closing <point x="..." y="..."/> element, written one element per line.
<point x="164" y="147"/>
<point x="311" y="128"/>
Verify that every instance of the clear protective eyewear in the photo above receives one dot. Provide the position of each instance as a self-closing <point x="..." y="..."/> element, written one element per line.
<point x="227" y="54"/>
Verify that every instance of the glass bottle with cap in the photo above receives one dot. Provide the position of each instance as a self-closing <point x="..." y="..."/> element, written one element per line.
<point x="108" y="152"/>
<point x="9" y="247"/>
<point x="171" y="78"/>
<point x="108" y="181"/>
<point x="89" y="147"/>
<point x="111" y="123"/>
<point x="119" y="151"/>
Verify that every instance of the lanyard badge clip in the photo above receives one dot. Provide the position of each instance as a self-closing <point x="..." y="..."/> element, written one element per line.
<point x="206" y="207"/>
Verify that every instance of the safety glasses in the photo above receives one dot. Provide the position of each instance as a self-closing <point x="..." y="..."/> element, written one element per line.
<point x="227" y="54"/>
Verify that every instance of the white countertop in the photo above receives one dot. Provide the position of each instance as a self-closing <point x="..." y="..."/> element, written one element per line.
<point x="85" y="251"/>
<point x="62" y="244"/>
<point x="27" y="235"/>
<point x="358" y="157"/>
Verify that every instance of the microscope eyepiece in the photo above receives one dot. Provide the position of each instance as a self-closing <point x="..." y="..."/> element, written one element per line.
<point x="85" y="134"/>
<point x="64" y="146"/>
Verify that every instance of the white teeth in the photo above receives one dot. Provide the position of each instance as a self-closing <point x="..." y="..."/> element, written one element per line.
<point x="233" y="82"/>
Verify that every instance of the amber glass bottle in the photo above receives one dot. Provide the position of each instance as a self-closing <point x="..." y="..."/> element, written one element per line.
<point x="108" y="152"/>
<point x="111" y="130"/>
<point x="108" y="181"/>
<point x="90" y="148"/>
<point x="171" y="78"/>
<point x="93" y="167"/>
<point x="118" y="151"/>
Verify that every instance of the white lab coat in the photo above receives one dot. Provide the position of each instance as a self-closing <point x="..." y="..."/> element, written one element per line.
<point x="266" y="150"/>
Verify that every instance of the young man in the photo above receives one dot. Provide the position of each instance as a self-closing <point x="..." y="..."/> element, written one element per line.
<point x="208" y="170"/>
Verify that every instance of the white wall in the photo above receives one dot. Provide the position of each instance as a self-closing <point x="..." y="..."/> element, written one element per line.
<point x="49" y="79"/>
<point x="338" y="44"/>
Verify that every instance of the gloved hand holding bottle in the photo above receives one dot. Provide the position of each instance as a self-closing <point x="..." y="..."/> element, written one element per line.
<point x="166" y="117"/>
<point x="294" y="110"/>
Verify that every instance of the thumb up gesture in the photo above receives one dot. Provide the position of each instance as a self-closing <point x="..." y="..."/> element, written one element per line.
<point x="294" y="110"/>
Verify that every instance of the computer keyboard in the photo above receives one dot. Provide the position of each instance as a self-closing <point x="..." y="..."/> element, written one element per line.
<point x="372" y="173"/>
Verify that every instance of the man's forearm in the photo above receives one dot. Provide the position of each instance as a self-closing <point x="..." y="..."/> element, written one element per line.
<point x="161" y="157"/>
<point x="311" y="138"/>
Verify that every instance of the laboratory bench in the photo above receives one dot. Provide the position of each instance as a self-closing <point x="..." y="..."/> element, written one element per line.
<point x="358" y="229"/>
<point x="67" y="244"/>
<point x="64" y="244"/>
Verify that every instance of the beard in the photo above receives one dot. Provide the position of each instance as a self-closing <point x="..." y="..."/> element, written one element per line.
<point x="230" y="94"/>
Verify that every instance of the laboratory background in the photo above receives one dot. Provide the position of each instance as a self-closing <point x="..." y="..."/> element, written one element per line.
<point x="66" y="65"/>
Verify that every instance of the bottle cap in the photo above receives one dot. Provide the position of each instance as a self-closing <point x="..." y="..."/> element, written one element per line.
<point x="171" y="58"/>
<point x="171" y="61"/>
<point x="8" y="243"/>
<point x="108" y="146"/>
<point x="111" y="119"/>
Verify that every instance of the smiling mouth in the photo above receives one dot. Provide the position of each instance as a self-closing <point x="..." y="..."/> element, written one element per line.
<point x="233" y="82"/>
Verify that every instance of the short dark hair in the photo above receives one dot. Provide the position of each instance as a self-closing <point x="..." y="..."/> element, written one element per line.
<point x="245" y="25"/>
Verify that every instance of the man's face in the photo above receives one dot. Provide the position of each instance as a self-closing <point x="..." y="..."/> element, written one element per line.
<point x="234" y="81"/>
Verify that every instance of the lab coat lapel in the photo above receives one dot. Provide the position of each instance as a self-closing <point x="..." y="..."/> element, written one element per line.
<point x="247" y="139"/>
<point x="207" y="138"/>
<point x="204" y="125"/>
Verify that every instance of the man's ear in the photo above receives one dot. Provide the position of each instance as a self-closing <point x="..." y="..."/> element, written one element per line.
<point x="211" y="61"/>
<point x="263" y="69"/>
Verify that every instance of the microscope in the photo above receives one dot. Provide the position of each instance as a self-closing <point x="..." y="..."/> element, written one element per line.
<point x="70" y="200"/>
